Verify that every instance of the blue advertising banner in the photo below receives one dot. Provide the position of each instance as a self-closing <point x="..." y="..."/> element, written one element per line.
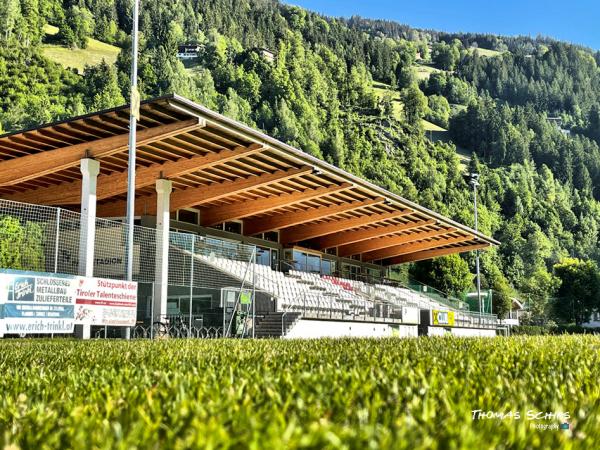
<point x="33" y="303"/>
<point x="38" y="303"/>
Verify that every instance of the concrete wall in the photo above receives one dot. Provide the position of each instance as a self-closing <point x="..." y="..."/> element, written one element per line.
<point x="473" y="332"/>
<point x="442" y="331"/>
<point x="438" y="331"/>
<point x="306" y="328"/>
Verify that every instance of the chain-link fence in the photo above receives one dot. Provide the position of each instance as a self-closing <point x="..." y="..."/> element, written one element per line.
<point x="47" y="239"/>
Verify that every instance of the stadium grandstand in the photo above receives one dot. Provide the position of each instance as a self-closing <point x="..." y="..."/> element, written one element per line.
<point x="237" y="233"/>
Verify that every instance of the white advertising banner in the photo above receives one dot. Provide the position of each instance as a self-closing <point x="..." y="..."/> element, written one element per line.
<point x="106" y="302"/>
<point x="35" y="303"/>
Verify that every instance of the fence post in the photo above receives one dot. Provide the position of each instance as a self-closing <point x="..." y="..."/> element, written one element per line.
<point x="57" y="239"/>
<point x="152" y="311"/>
<point x="191" y="283"/>
<point x="254" y="292"/>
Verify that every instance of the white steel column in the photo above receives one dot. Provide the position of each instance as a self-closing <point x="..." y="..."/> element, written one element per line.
<point x="163" y="217"/>
<point x="90" y="169"/>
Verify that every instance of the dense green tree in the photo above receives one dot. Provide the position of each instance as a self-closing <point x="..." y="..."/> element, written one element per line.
<point x="448" y="273"/>
<point x="446" y="56"/>
<point x="21" y="245"/>
<point x="77" y="27"/>
<point x="9" y="17"/>
<point x="579" y="292"/>
<point x="438" y="110"/>
<point x="101" y="87"/>
<point x="415" y="105"/>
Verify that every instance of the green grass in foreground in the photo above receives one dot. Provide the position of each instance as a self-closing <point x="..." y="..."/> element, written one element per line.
<point x="95" y="52"/>
<point x="351" y="393"/>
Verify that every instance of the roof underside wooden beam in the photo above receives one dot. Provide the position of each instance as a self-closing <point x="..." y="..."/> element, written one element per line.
<point x="223" y="213"/>
<point x="310" y="231"/>
<point x="194" y="196"/>
<point x="429" y="254"/>
<point x="352" y="236"/>
<point x="264" y="224"/>
<point x="113" y="184"/>
<point x="385" y="242"/>
<point x="403" y="249"/>
<point x="18" y="170"/>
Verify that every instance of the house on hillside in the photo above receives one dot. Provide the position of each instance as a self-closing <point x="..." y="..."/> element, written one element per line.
<point x="267" y="54"/>
<point x="188" y="51"/>
<point x="558" y="122"/>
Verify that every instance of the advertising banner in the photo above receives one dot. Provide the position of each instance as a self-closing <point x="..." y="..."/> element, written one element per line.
<point x="35" y="303"/>
<point x="106" y="302"/>
<point x="443" y="317"/>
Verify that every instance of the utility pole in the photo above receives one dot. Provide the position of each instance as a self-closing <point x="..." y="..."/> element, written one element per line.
<point x="134" y="114"/>
<point x="474" y="181"/>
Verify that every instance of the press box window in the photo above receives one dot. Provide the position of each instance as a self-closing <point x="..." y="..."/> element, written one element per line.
<point x="188" y="216"/>
<point x="271" y="236"/>
<point x="233" y="227"/>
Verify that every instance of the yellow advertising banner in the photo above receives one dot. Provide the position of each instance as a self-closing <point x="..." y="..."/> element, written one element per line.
<point x="442" y="317"/>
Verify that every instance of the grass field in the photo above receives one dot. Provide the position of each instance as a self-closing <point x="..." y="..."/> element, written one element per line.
<point x="275" y="394"/>
<point x="382" y="89"/>
<point x="95" y="52"/>
<point x="430" y="126"/>
<point x="486" y="52"/>
<point x="424" y="72"/>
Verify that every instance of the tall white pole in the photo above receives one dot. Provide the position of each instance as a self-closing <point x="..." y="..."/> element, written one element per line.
<point x="133" y="116"/>
<point x="477" y="251"/>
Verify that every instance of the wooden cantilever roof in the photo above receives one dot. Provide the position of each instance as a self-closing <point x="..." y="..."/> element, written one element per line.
<point x="229" y="172"/>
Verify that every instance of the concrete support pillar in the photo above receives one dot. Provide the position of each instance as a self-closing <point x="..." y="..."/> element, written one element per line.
<point x="90" y="169"/>
<point x="163" y="218"/>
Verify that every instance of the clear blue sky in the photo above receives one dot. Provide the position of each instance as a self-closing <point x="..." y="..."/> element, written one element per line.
<point x="575" y="21"/>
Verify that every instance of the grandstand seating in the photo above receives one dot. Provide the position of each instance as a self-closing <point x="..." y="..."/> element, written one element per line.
<point x="328" y="296"/>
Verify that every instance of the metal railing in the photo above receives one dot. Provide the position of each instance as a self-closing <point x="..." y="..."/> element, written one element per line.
<point x="287" y="310"/>
<point x="340" y="309"/>
<point x="472" y="319"/>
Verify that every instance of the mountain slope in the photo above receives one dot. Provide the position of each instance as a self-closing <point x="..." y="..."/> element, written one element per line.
<point x="538" y="185"/>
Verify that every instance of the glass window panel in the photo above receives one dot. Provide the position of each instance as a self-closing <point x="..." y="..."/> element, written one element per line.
<point x="326" y="267"/>
<point x="263" y="256"/>
<point x="314" y="264"/>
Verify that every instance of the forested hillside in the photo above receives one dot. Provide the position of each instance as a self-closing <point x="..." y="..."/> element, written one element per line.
<point x="494" y="95"/>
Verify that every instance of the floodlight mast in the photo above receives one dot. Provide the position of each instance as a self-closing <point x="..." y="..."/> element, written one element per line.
<point x="133" y="117"/>
<point x="474" y="181"/>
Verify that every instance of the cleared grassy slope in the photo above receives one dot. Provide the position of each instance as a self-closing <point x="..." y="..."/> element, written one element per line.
<point x="382" y="89"/>
<point x="486" y="52"/>
<point x="424" y="71"/>
<point x="95" y="52"/>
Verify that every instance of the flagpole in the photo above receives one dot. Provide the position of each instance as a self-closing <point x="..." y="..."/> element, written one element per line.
<point x="133" y="117"/>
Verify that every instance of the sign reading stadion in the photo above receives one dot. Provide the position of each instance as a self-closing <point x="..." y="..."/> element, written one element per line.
<point x="34" y="303"/>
